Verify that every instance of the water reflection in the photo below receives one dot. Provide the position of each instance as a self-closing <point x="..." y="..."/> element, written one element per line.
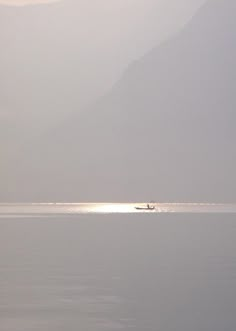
<point x="50" y="209"/>
<point x="119" y="272"/>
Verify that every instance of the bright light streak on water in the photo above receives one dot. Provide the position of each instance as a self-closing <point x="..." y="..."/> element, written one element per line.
<point x="57" y="209"/>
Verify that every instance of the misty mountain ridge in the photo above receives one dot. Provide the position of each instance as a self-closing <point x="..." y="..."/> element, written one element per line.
<point x="166" y="130"/>
<point x="56" y="58"/>
<point x="50" y="54"/>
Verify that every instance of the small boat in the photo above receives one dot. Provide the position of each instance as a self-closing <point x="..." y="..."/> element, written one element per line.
<point x="148" y="207"/>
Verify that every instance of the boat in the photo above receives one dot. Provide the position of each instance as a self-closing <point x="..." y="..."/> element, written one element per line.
<point x="148" y="207"/>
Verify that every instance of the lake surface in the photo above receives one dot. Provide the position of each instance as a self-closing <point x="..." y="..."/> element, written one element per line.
<point x="70" y="209"/>
<point x="154" y="271"/>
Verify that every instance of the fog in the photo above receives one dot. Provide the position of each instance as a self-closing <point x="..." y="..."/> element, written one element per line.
<point x="117" y="100"/>
<point x="20" y="3"/>
<point x="57" y="58"/>
<point x="164" y="130"/>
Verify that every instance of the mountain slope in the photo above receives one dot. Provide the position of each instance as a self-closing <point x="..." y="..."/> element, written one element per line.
<point x="166" y="131"/>
<point x="57" y="57"/>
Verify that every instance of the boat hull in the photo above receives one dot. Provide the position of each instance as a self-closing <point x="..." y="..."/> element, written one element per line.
<point x="143" y="208"/>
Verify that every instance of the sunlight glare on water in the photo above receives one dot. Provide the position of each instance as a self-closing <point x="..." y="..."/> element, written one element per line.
<point x="51" y="209"/>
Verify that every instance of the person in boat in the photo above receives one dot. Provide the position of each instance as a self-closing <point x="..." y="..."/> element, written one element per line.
<point x="148" y="207"/>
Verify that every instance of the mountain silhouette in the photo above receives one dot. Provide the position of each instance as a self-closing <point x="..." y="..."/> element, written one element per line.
<point x="56" y="58"/>
<point x="166" y="130"/>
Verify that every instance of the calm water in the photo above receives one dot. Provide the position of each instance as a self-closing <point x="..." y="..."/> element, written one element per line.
<point x="167" y="272"/>
<point x="71" y="209"/>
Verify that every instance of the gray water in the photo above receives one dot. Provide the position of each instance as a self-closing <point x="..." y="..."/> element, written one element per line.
<point x="74" y="209"/>
<point x="159" y="272"/>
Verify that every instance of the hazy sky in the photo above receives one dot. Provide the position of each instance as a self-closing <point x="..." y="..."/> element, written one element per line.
<point x="24" y="2"/>
<point x="56" y="56"/>
<point x="109" y="35"/>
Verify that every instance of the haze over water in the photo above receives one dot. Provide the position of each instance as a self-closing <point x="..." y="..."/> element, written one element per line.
<point x="118" y="272"/>
<point x="56" y="209"/>
<point x="163" y="128"/>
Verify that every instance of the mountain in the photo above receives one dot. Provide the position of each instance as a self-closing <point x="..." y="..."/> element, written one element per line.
<point x="56" y="58"/>
<point x="166" y="130"/>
